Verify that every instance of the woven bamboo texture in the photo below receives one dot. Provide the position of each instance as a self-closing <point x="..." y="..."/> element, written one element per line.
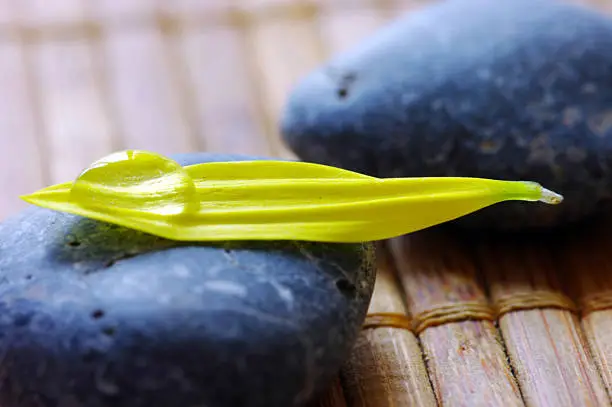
<point x="454" y="321"/>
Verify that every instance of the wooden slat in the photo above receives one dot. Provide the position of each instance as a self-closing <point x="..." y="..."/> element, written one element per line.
<point x="466" y="361"/>
<point x="76" y="123"/>
<point x="199" y="14"/>
<point x="145" y="100"/>
<point x="7" y="12"/>
<point x="229" y="120"/>
<point x="22" y="155"/>
<point x="345" y="27"/>
<point x="280" y="51"/>
<point x="122" y="11"/>
<point x="546" y="346"/>
<point x="187" y="8"/>
<point x="588" y="270"/>
<point x="43" y="12"/>
<point x="386" y="368"/>
<point x="77" y="130"/>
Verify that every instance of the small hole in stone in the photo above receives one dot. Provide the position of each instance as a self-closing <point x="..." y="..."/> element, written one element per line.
<point x="74" y="243"/>
<point x="344" y="85"/>
<point x="346" y="287"/>
<point x="97" y="314"/>
<point x="28" y="277"/>
<point x="108" y="331"/>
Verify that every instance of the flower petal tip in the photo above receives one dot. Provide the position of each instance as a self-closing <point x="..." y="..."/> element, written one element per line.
<point x="550" y="197"/>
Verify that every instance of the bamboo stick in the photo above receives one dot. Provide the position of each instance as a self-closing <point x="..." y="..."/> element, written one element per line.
<point x="282" y="50"/>
<point x="466" y="360"/>
<point x="139" y="69"/>
<point x="7" y="13"/>
<point x="42" y="12"/>
<point x="387" y="367"/>
<point x="588" y="272"/>
<point x="229" y="119"/>
<point x="538" y="324"/>
<point x="111" y="12"/>
<point x="20" y="128"/>
<point x="343" y="27"/>
<point x="73" y="110"/>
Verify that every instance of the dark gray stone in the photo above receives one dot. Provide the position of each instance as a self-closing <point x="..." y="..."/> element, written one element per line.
<point x="96" y="315"/>
<point x="510" y="89"/>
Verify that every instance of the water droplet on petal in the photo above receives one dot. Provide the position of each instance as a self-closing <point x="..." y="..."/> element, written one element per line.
<point x="137" y="181"/>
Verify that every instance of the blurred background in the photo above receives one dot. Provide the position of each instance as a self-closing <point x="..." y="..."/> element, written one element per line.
<point x="82" y="78"/>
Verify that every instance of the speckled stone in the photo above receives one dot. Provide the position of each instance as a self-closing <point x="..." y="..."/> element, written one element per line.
<point x="510" y="89"/>
<point x="95" y="315"/>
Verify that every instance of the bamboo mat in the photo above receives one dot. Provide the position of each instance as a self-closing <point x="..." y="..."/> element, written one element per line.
<point x="454" y="321"/>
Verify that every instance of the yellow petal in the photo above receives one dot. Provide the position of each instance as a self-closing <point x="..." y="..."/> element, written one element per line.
<point x="271" y="200"/>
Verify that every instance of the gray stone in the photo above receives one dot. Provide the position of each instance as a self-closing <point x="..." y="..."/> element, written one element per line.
<point x="510" y="89"/>
<point x="96" y="315"/>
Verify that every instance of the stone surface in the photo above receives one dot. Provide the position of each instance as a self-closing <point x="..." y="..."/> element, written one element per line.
<point x="95" y="315"/>
<point x="511" y="89"/>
